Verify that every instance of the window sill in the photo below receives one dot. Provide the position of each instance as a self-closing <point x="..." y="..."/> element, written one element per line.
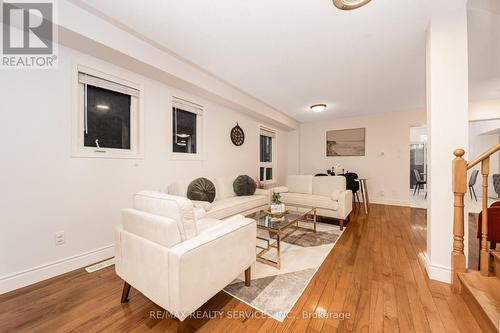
<point x="186" y="157"/>
<point x="106" y="154"/>
<point x="268" y="184"/>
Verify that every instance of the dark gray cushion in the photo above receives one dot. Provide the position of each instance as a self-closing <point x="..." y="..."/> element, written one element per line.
<point x="244" y="185"/>
<point x="201" y="189"/>
<point x="496" y="183"/>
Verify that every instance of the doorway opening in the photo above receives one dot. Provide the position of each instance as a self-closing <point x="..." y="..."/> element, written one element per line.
<point x="418" y="166"/>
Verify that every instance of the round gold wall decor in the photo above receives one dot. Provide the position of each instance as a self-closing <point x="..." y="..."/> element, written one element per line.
<point x="349" y="4"/>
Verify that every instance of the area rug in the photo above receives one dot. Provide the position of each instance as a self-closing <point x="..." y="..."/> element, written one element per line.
<point x="274" y="292"/>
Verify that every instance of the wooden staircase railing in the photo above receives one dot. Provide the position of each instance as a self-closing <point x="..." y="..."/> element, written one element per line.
<point x="460" y="167"/>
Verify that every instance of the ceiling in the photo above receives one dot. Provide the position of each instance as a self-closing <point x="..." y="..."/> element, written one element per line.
<point x="484" y="53"/>
<point x="294" y="53"/>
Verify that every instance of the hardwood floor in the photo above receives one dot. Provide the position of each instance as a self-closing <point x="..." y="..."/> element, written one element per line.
<point x="375" y="274"/>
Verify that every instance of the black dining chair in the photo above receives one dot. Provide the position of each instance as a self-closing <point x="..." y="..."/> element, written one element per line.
<point x="472" y="182"/>
<point x="419" y="182"/>
<point x="353" y="185"/>
<point x="496" y="184"/>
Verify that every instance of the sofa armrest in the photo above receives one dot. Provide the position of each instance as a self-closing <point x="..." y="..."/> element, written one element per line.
<point x="159" y="229"/>
<point x="265" y="192"/>
<point x="262" y="191"/>
<point x="202" y="266"/>
<point x="345" y="204"/>
<point x="280" y="189"/>
<point x="143" y="264"/>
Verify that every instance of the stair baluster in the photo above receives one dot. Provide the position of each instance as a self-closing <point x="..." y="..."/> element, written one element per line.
<point x="485" y="256"/>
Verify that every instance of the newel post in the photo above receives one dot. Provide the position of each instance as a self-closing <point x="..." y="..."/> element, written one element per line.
<point x="459" y="180"/>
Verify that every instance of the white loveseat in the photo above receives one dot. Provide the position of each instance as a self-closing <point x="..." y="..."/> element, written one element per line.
<point x="226" y="202"/>
<point x="327" y="194"/>
<point x="174" y="258"/>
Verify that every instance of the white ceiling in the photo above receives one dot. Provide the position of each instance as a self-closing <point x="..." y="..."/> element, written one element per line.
<point x="484" y="54"/>
<point x="294" y="53"/>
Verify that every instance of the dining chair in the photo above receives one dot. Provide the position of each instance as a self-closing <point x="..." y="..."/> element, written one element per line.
<point x="419" y="182"/>
<point x="496" y="183"/>
<point x="472" y="182"/>
<point x="352" y="184"/>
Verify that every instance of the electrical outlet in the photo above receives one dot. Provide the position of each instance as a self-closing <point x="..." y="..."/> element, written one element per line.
<point x="60" y="239"/>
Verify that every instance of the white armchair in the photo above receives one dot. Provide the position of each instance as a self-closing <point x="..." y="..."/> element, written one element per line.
<point x="176" y="259"/>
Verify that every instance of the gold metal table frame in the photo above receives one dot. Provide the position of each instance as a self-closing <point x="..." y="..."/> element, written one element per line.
<point x="281" y="233"/>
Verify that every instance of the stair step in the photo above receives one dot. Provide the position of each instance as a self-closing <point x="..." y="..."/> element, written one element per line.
<point x="496" y="261"/>
<point x="482" y="295"/>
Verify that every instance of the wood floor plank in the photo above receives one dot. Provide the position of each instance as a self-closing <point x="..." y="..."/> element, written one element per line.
<point x="375" y="277"/>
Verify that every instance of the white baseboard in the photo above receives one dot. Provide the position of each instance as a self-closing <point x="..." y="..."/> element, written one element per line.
<point x="390" y="202"/>
<point x="25" y="278"/>
<point x="437" y="272"/>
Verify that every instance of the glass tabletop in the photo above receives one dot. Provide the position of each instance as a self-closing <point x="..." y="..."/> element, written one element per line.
<point x="265" y="221"/>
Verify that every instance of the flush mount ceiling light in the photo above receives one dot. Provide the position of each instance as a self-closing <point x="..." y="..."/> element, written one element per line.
<point x="349" y="4"/>
<point x="318" y="107"/>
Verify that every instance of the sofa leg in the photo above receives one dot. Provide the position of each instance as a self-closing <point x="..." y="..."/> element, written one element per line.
<point x="248" y="276"/>
<point x="126" y="290"/>
<point x="341" y="225"/>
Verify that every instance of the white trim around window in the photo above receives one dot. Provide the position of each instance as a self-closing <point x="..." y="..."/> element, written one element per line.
<point x="83" y="75"/>
<point x="273" y="133"/>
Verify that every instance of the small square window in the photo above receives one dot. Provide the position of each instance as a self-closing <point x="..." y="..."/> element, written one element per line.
<point x="269" y="173"/>
<point x="107" y="116"/>
<point x="184" y="131"/>
<point x="108" y="119"/>
<point x="187" y="130"/>
<point x="266" y="148"/>
<point x="267" y="158"/>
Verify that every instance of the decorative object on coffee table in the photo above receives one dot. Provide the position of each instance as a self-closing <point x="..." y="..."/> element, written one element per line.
<point x="237" y="135"/>
<point x="276" y="205"/>
<point x="201" y="189"/>
<point x="279" y="214"/>
<point x="244" y="185"/>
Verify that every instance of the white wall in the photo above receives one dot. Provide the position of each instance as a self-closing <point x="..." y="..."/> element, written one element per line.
<point x="486" y="109"/>
<point x="479" y="142"/>
<point x="417" y="134"/>
<point x="387" y="160"/>
<point x="447" y="124"/>
<point x="293" y="152"/>
<point x="44" y="190"/>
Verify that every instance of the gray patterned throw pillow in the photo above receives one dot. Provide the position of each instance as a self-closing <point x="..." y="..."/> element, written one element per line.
<point x="201" y="189"/>
<point x="244" y="185"/>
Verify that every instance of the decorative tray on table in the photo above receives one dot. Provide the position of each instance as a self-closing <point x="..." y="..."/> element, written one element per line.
<point x="276" y="214"/>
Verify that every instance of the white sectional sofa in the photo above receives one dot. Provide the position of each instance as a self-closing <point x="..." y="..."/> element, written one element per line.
<point x="179" y="253"/>
<point x="174" y="258"/>
<point x="226" y="202"/>
<point x="327" y="194"/>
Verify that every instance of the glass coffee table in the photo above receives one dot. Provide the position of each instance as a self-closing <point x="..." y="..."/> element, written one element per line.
<point x="280" y="227"/>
